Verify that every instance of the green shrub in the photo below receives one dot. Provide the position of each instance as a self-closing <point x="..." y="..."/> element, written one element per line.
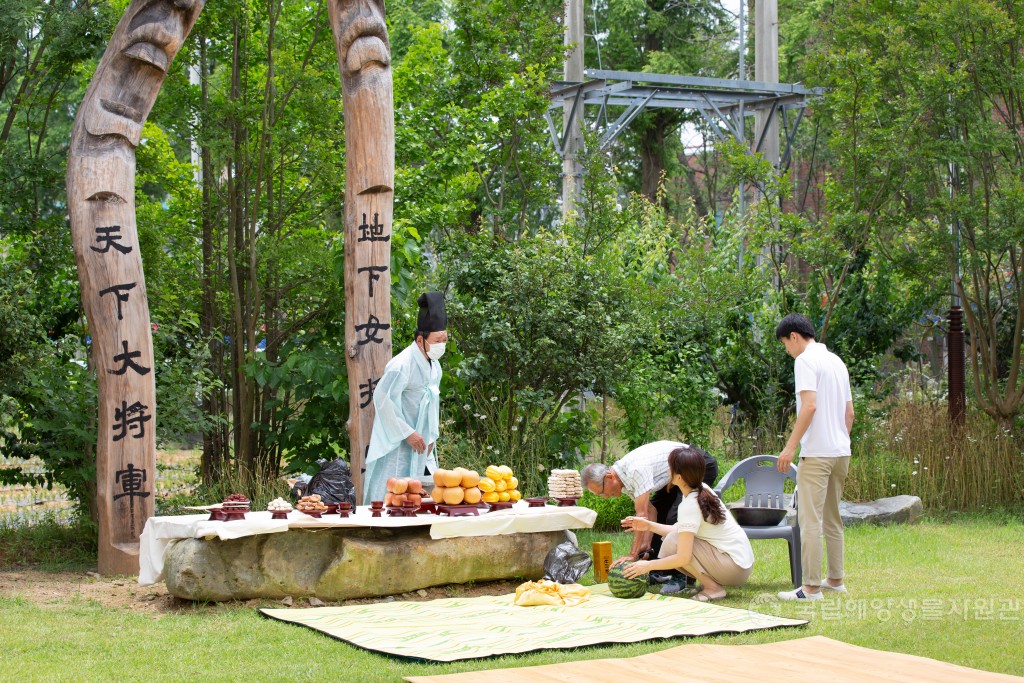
<point x="55" y="420"/>
<point x="49" y="545"/>
<point x="911" y="451"/>
<point x="610" y="511"/>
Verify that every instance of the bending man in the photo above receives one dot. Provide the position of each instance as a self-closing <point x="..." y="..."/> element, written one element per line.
<point x="639" y="474"/>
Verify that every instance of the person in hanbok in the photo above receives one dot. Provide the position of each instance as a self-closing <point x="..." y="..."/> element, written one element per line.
<point x="407" y="401"/>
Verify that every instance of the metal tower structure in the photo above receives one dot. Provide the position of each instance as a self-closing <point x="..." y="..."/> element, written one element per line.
<point x="724" y="105"/>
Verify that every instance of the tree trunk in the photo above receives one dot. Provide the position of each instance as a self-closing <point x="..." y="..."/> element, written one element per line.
<point x="214" y="458"/>
<point x="652" y="155"/>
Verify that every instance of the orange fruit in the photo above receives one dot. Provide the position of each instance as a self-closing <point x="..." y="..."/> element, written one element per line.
<point x="452" y="478"/>
<point x="439" y="476"/>
<point x="470" y="479"/>
<point x="473" y="495"/>
<point x="454" y="495"/>
<point x="437" y="495"/>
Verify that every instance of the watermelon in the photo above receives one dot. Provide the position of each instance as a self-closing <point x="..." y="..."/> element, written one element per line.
<point x="621" y="587"/>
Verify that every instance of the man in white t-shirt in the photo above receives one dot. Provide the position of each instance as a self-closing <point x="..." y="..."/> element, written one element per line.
<point x="824" y="418"/>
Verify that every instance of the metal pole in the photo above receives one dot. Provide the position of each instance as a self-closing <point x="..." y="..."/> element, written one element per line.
<point x="741" y="125"/>
<point x="957" y="398"/>
<point x="766" y="69"/>
<point x="571" y="170"/>
<point x="955" y="341"/>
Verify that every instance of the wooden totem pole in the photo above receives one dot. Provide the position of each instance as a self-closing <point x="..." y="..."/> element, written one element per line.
<point x="364" y="57"/>
<point x="101" y="203"/>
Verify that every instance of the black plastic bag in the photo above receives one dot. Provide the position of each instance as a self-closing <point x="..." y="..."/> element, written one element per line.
<point x="301" y="482"/>
<point x="565" y="563"/>
<point x="334" y="483"/>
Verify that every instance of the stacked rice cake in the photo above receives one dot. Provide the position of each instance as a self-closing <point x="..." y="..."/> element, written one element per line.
<point x="565" y="484"/>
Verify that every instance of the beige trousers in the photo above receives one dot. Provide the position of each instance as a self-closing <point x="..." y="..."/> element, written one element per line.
<point x="707" y="559"/>
<point x="819" y="484"/>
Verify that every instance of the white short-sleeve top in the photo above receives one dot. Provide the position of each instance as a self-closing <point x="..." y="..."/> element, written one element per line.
<point x="727" y="537"/>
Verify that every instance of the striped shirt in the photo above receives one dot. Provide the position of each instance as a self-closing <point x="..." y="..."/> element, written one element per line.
<point x="645" y="469"/>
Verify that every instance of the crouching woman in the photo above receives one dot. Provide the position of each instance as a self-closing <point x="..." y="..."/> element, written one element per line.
<point x="706" y="542"/>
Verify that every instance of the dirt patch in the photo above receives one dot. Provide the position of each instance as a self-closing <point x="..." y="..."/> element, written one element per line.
<point x="56" y="589"/>
<point x="53" y="589"/>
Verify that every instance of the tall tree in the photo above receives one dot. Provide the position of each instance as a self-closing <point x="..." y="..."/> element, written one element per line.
<point x="926" y="108"/>
<point x="265" y="119"/>
<point x="471" y="141"/>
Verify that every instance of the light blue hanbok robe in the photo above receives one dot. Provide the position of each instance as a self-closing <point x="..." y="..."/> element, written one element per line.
<point x="407" y="399"/>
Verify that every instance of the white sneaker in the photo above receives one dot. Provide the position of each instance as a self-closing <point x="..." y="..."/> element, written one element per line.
<point x="799" y="594"/>
<point x="841" y="588"/>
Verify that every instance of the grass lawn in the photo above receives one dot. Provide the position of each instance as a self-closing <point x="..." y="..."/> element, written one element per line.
<point x="950" y="590"/>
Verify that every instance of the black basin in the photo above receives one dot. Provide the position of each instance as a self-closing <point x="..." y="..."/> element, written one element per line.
<point x="753" y="516"/>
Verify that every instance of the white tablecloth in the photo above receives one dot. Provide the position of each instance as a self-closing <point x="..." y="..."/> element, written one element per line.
<point x="160" y="532"/>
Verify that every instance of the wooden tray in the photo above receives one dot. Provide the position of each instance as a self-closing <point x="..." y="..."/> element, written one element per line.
<point x="458" y="510"/>
<point x="566" y="502"/>
<point x="501" y="505"/>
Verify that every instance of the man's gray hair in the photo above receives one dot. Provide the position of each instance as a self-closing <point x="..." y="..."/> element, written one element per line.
<point x="594" y="472"/>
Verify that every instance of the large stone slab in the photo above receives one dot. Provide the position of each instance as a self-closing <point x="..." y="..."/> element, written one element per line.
<point x="340" y="564"/>
<point x="894" y="510"/>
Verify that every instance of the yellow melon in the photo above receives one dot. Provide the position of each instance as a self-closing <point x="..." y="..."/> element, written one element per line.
<point x="500" y="485"/>
<point x="513" y="483"/>
<point x="491" y="497"/>
<point x="514" y="495"/>
<point x="493" y="472"/>
<point x="506" y="472"/>
<point x="486" y="484"/>
<point x="504" y="496"/>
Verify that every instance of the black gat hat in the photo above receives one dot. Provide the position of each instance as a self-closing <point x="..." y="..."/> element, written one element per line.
<point x="432" y="316"/>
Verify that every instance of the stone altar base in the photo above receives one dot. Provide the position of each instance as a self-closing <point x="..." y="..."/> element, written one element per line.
<point x="340" y="564"/>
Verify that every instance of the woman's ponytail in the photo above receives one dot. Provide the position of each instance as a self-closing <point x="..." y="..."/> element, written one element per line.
<point x="710" y="506"/>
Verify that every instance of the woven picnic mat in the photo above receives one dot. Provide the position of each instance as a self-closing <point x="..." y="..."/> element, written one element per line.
<point x="805" y="659"/>
<point x="467" y="628"/>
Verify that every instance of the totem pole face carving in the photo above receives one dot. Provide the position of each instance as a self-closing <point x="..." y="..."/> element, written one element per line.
<point x="364" y="57"/>
<point x="364" y="42"/>
<point x="124" y="91"/>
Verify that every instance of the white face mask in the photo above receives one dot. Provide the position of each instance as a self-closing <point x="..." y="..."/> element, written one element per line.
<point x="435" y="351"/>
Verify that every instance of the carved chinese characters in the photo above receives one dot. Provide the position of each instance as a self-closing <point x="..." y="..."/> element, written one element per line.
<point x="364" y="57"/>
<point x="101" y="202"/>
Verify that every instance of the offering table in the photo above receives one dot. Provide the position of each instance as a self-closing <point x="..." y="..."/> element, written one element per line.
<point x="337" y="558"/>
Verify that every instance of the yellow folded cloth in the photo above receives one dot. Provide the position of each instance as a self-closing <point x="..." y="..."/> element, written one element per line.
<point x="546" y="592"/>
